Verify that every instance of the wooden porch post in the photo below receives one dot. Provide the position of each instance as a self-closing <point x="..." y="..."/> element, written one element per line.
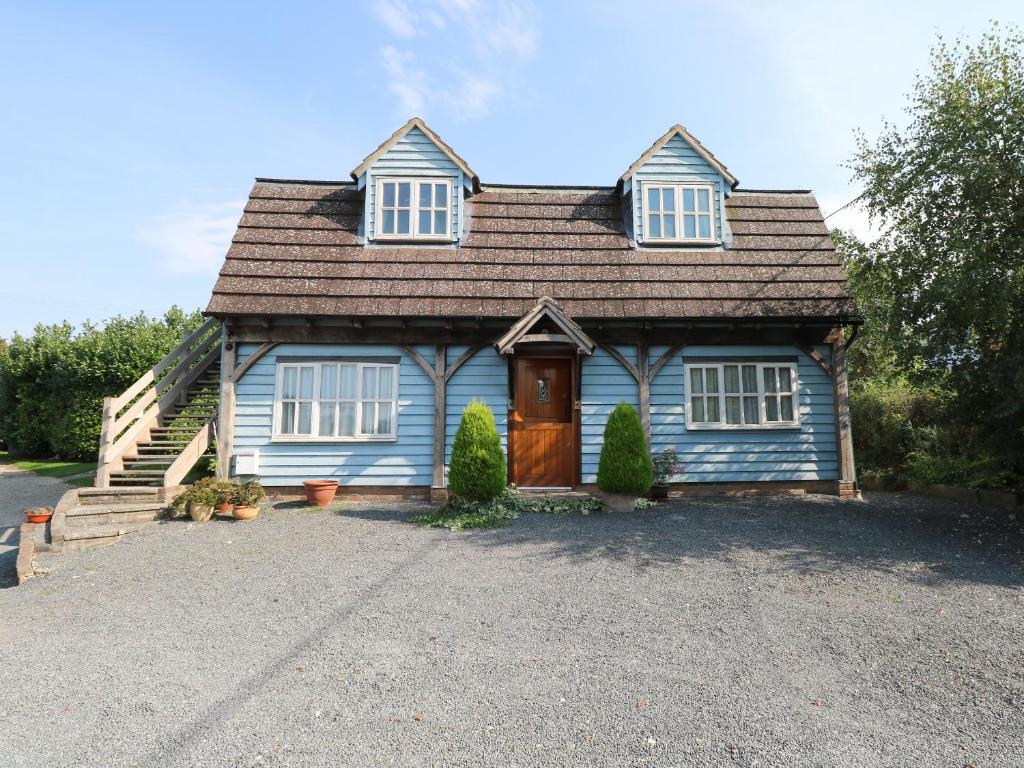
<point x="438" y="490"/>
<point x="847" y="477"/>
<point x="226" y="415"/>
<point x="644" y="389"/>
<point x="106" y="440"/>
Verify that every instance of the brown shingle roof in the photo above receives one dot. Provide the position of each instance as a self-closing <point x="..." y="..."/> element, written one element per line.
<point x="296" y="252"/>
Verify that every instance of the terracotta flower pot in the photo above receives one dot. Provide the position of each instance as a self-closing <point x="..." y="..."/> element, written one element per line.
<point x="38" y="515"/>
<point x="245" y="512"/>
<point x="224" y="508"/>
<point x="200" y="512"/>
<point x="320" y="492"/>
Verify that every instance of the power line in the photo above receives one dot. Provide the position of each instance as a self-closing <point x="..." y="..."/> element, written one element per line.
<point x="844" y="207"/>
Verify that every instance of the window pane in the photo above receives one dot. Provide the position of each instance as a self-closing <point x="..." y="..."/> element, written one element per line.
<point x="387" y="224"/>
<point x="714" y="413"/>
<point x="711" y="378"/>
<point x="425" y="220"/>
<point x="369" y="382"/>
<point x="287" y="418"/>
<point x="750" y="378"/>
<point x="385" y="376"/>
<point x="440" y="222"/>
<point x="328" y="382"/>
<point x="369" y="418"/>
<point x="702" y="200"/>
<point x="696" y="380"/>
<point x="689" y="227"/>
<point x="425" y="195"/>
<point x="653" y="199"/>
<point x="732" y="378"/>
<point x="750" y="414"/>
<point x="288" y="385"/>
<point x="327" y="412"/>
<point x="704" y="226"/>
<point x="697" y="408"/>
<point x="771" y="408"/>
<point x="787" y="407"/>
<point x="670" y="225"/>
<point x="348" y="382"/>
<point x="732" y="410"/>
<point x="769" y="380"/>
<point x="305" y="419"/>
<point x="687" y="199"/>
<point x="306" y="383"/>
<point x="404" y="194"/>
<point x="389" y="194"/>
<point x="440" y="195"/>
<point x="403" y="223"/>
<point x="654" y="226"/>
<point x="348" y="420"/>
<point x="785" y="380"/>
<point x="383" y="418"/>
<point x="668" y="199"/>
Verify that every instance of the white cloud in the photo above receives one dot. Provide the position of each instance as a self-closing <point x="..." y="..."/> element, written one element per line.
<point x="192" y="237"/>
<point x="500" y="34"/>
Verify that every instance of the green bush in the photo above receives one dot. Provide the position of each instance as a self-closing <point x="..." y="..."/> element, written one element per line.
<point x="625" y="463"/>
<point x="477" y="469"/>
<point x="52" y="383"/>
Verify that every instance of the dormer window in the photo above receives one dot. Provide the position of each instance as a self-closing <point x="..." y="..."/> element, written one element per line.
<point x="678" y="213"/>
<point x="414" y="209"/>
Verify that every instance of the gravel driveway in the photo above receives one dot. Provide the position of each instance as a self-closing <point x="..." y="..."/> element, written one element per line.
<point x="767" y="632"/>
<point x="20" y="490"/>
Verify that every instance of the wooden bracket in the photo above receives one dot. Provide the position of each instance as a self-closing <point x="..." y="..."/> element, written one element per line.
<point x="630" y="368"/>
<point x="252" y="359"/>
<point x="816" y="356"/>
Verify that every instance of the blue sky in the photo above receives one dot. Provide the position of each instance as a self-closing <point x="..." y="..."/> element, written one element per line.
<point x="131" y="132"/>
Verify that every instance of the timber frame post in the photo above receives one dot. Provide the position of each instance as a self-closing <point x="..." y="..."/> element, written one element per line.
<point x="643" y="372"/>
<point x="846" y="484"/>
<point x="226" y="413"/>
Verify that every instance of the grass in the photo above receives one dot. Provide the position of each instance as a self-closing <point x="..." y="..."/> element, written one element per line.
<point x="53" y="468"/>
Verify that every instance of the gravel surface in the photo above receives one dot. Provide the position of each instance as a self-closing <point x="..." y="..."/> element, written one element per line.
<point x="767" y="632"/>
<point x="20" y="490"/>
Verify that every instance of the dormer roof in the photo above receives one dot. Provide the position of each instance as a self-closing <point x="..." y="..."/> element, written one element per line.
<point x="679" y="130"/>
<point x="397" y="136"/>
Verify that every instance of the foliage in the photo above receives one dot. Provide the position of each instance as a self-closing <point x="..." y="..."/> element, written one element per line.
<point x="205" y="491"/>
<point x="458" y="514"/>
<point x="943" y="289"/>
<point x="665" y="465"/>
<point x="643" y="503"/>
<point x="250" y="493"/>
<point x="52" y="383"/>
<point x="625" y="464"/>
<point x="227" y="491"/>
<point x="477" y="468"/>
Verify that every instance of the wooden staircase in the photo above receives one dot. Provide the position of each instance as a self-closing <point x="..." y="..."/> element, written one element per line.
<point x="155" y="431"/>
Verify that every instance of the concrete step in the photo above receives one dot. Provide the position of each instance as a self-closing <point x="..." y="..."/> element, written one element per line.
<point x="97" y="536"/>
<point x="91" y="517"/>
<point x="124" y="495"/>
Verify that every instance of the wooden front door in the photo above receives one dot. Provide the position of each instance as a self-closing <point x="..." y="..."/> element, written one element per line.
<point x="543" y="438"/>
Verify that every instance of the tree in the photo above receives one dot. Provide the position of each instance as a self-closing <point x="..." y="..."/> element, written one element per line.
<point x="948" y="189"/>
<point x="477" y="468"/>
<point x="625" y="463"/>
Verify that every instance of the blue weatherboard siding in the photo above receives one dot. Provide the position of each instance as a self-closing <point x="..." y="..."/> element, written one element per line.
<point x="483" y="377"/>
<point x="677" y="161"/>
<point x="605" y="383"/>
<point x="414" y="155"/>
<point x="407" y="461"/>
<point x="804" y="453"/>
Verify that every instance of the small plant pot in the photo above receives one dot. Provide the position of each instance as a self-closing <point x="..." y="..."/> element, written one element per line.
<point x="201" y="513"/>
<point x="659" y="492"/>
<point x="245" y="512"/>
<point x="320" y="492"/>
<point x="39" y="515"/>
<point x="224" y="508"/>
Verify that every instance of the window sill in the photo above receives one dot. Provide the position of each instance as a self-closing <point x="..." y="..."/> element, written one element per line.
<point x="302" y="439"/>
<point x="658" y="241"/>
<point x="741" y="428"/>
<point x="446" y="239"/>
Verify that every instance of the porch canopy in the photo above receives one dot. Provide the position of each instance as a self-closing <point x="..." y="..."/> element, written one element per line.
<point x="546" y="323"/>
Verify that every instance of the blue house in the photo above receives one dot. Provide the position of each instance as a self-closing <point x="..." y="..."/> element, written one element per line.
<point x="359" y="317"/>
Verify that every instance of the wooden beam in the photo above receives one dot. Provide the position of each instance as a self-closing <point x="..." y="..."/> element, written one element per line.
<point x="451" y="369"/>
<point x="252" y="359"/>
<point x="844" y="432"/>
<point x="440" y="412"/>
<point x="817" y="357"/>
<point x="226" y="410"/>
<point x="672" y="351"/>
<point x="427" y="367"/>
<point x="630" y="368"/>
<point x="644" y="390"/>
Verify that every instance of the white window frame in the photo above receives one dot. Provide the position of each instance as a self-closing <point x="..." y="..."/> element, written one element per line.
<point x="678" y="212"/>
<point x="314" y="437"/>
<point x="762" y="396"/>
<point x="414" y="209"/>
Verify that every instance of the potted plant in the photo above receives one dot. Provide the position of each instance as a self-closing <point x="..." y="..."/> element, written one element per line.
<point x="320" y="492"/>
<point x="247" y="498"/>
<point x="666" y="464"/>
<point x="38" y="514"/>
<point x="201" y="498"/>
<point x="228" y="491"/>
